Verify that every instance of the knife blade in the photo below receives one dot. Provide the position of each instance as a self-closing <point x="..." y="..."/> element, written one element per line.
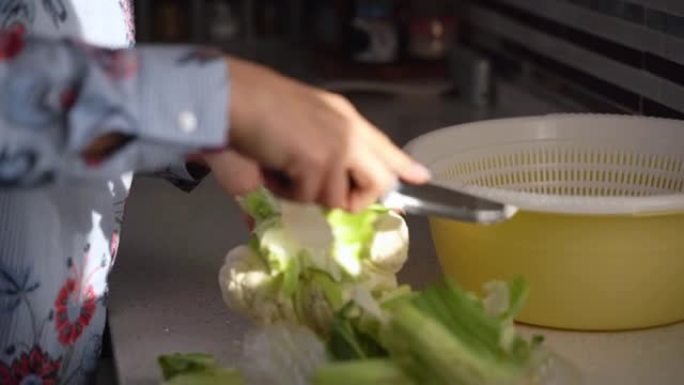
<point x="433" y="200"/>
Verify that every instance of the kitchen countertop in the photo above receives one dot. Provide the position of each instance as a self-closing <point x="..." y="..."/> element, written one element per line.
<point x="165" y="296"/>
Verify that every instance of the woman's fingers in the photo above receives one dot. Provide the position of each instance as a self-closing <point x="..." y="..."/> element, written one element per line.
<point x="237" y="174"/>
<point x="406" y="168"/>
<point x="371" y="179"/>
<point x="330" y="154"/>
<point x="335" y="191"/>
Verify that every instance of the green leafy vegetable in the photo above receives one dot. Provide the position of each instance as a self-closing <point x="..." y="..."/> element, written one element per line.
<point x="196" y="369"/>
<point x="260" y="205"/>
<point x="322" y="290"/>
<point x="304" y="264"/>
<point x="443" y="335"/>
<point x="439" y="336"/>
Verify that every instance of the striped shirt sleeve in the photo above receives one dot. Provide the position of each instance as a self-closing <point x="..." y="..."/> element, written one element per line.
<point x="59" y="96"/>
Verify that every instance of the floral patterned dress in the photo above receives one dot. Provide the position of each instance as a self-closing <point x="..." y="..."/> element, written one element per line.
<point x="67" y="77"/>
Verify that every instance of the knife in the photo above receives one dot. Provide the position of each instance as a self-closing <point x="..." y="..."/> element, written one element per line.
<point x="433" y="200"/>
<point x="430" y="200"/>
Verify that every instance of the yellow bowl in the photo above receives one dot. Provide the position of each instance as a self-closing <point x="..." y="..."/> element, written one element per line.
<point x="592" y="264"/>
<point x="585" y="272"/>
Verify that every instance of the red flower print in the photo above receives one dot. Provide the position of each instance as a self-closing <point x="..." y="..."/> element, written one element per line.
<point x="33" y="367"/>
<point x="74" y="309"/>
<point x="114" y="246"/>
<point x="127" y="9"/>
<point x="11" y="42"/>
<point x="117" y="64"/>
<point x="76" y="301"/>
<point x="68" y="98"/>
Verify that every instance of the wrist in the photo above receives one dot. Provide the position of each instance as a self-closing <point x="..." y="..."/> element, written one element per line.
<point x="250" y="98"/>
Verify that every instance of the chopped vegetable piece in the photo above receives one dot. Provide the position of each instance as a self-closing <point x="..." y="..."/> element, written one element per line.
<point x="196" y="369"/>
<point x="363" y="372"/>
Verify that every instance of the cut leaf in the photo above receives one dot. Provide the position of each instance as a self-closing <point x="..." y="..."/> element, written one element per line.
<point x="260" y="205"/>
<point x="217" y="377"/>
<point x="176" y="364"/>
<point x="353" y="234"/>
<point x="349" y="342"/>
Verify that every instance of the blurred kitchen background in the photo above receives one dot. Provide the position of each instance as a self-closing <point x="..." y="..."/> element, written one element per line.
<point x="596" y="55"/>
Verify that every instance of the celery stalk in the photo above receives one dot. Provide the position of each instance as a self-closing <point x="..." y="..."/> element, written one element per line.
<point x="362" y="372"/>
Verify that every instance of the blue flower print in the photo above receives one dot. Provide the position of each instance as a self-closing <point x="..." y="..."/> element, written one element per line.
<point x="16" y="13"/>
<point x="14" y="287"/>
<point x="56" y="9"/>
<point x="19" y="168"/>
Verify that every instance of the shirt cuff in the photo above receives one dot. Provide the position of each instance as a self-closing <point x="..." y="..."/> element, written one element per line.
<point x="171" y="100"/>
<point x="183" y="96"/>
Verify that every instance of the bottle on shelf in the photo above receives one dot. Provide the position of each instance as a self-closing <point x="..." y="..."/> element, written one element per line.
<point x="223" y="26"/>
<point x="170" y="23"/>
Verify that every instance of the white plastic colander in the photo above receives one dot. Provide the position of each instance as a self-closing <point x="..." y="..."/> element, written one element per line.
<point x="570" y="163"/>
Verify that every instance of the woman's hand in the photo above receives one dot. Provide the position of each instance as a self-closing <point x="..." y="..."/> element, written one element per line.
<point x="236" y="174"/>
<point x="306" y="144"/>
